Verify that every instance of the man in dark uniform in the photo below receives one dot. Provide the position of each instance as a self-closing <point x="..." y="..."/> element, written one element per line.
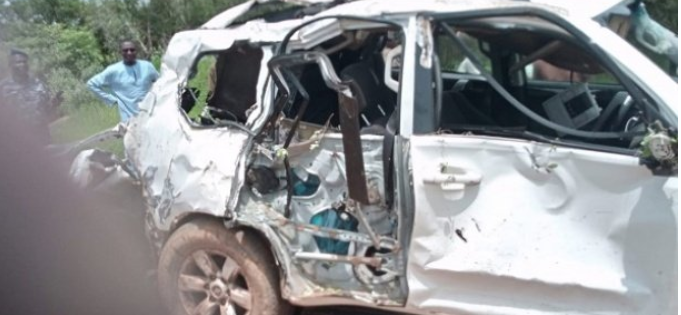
<point x="29" y="96"/>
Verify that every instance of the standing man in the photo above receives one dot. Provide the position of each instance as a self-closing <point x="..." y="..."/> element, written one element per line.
<point x="125" y="83"/>
<point x="28" y="96"/>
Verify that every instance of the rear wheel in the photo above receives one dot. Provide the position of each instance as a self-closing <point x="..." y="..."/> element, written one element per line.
<point x="206" y="269"/>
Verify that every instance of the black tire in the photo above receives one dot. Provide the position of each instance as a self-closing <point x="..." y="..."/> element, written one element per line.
<point x="220" y="269"/>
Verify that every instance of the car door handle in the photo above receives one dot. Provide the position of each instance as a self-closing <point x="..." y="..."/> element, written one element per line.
<point x="454" y="181"/>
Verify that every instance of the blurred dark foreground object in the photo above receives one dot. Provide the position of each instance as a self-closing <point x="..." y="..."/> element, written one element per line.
<point x="63" y="252"/>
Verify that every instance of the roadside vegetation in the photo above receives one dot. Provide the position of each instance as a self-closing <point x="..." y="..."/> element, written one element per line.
<point x="71" y="40"/>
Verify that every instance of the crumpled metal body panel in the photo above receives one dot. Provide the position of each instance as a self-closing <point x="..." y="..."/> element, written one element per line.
<point x="308" y="280"/>
<point x="548" y="229"/>
<point x="182" y="169"/>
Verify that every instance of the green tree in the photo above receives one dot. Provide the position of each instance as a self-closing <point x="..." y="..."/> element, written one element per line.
<point x="166" y="17"/>
<point x="113" y="21"/>
<point x="57" y="46"/>
<point x="64" y="56"/>
<point x="69" y="12"/>
<point x="665" y="12"/>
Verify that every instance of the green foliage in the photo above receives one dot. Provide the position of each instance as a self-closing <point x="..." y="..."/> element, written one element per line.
<point x="75" y="91"/>
<point x="166" y="17"/>
<point x="261" y="10"/>
<point x="64" y="56"/>
<point x="69" y="12"/>
<point x="56" y="46"/>
<point x="113" y="21"/>
<point x="200" y="82"/>
<point x="150" y="23"/>
<point x="156" y="60"/>
<point x="665" y="12"/>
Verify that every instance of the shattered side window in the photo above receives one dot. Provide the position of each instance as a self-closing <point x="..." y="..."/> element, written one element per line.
<point x="222" y="86"/>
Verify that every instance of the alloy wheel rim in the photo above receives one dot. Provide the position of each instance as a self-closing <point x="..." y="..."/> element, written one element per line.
<point x="211" y="283"/>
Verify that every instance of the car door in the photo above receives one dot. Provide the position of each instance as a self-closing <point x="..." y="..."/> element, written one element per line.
<point x="508" y="223"/>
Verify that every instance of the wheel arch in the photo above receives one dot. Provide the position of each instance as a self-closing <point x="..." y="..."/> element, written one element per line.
<point x="261" y="233"/>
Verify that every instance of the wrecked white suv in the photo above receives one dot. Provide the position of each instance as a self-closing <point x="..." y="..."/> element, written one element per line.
<point x="429" y="157"/>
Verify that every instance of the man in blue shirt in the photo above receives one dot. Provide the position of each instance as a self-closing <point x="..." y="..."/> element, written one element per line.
<point x="125" y="83"/>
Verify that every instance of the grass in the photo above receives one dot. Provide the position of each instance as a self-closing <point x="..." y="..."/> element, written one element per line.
<point x="86" y="121"/>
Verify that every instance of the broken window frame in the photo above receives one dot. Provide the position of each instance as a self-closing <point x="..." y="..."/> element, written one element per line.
<point x="330" y="27"/>
<point x="193" y="71"/>
<point x="290" y="86"/>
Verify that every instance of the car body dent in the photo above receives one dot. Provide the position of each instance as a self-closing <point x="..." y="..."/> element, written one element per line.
<point x="178" y="177"/>
<point x="293" y="235"/>
<point x="514" y="237"/>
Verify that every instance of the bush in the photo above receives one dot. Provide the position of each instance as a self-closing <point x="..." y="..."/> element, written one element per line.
<point x="65" y="57"/>
<point x="56" y="46"/>
<point x="76" y="94"/>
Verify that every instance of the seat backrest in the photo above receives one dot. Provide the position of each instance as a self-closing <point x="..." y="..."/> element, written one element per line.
<point x="237" y="77"/>
<point x="372" y="96"/>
